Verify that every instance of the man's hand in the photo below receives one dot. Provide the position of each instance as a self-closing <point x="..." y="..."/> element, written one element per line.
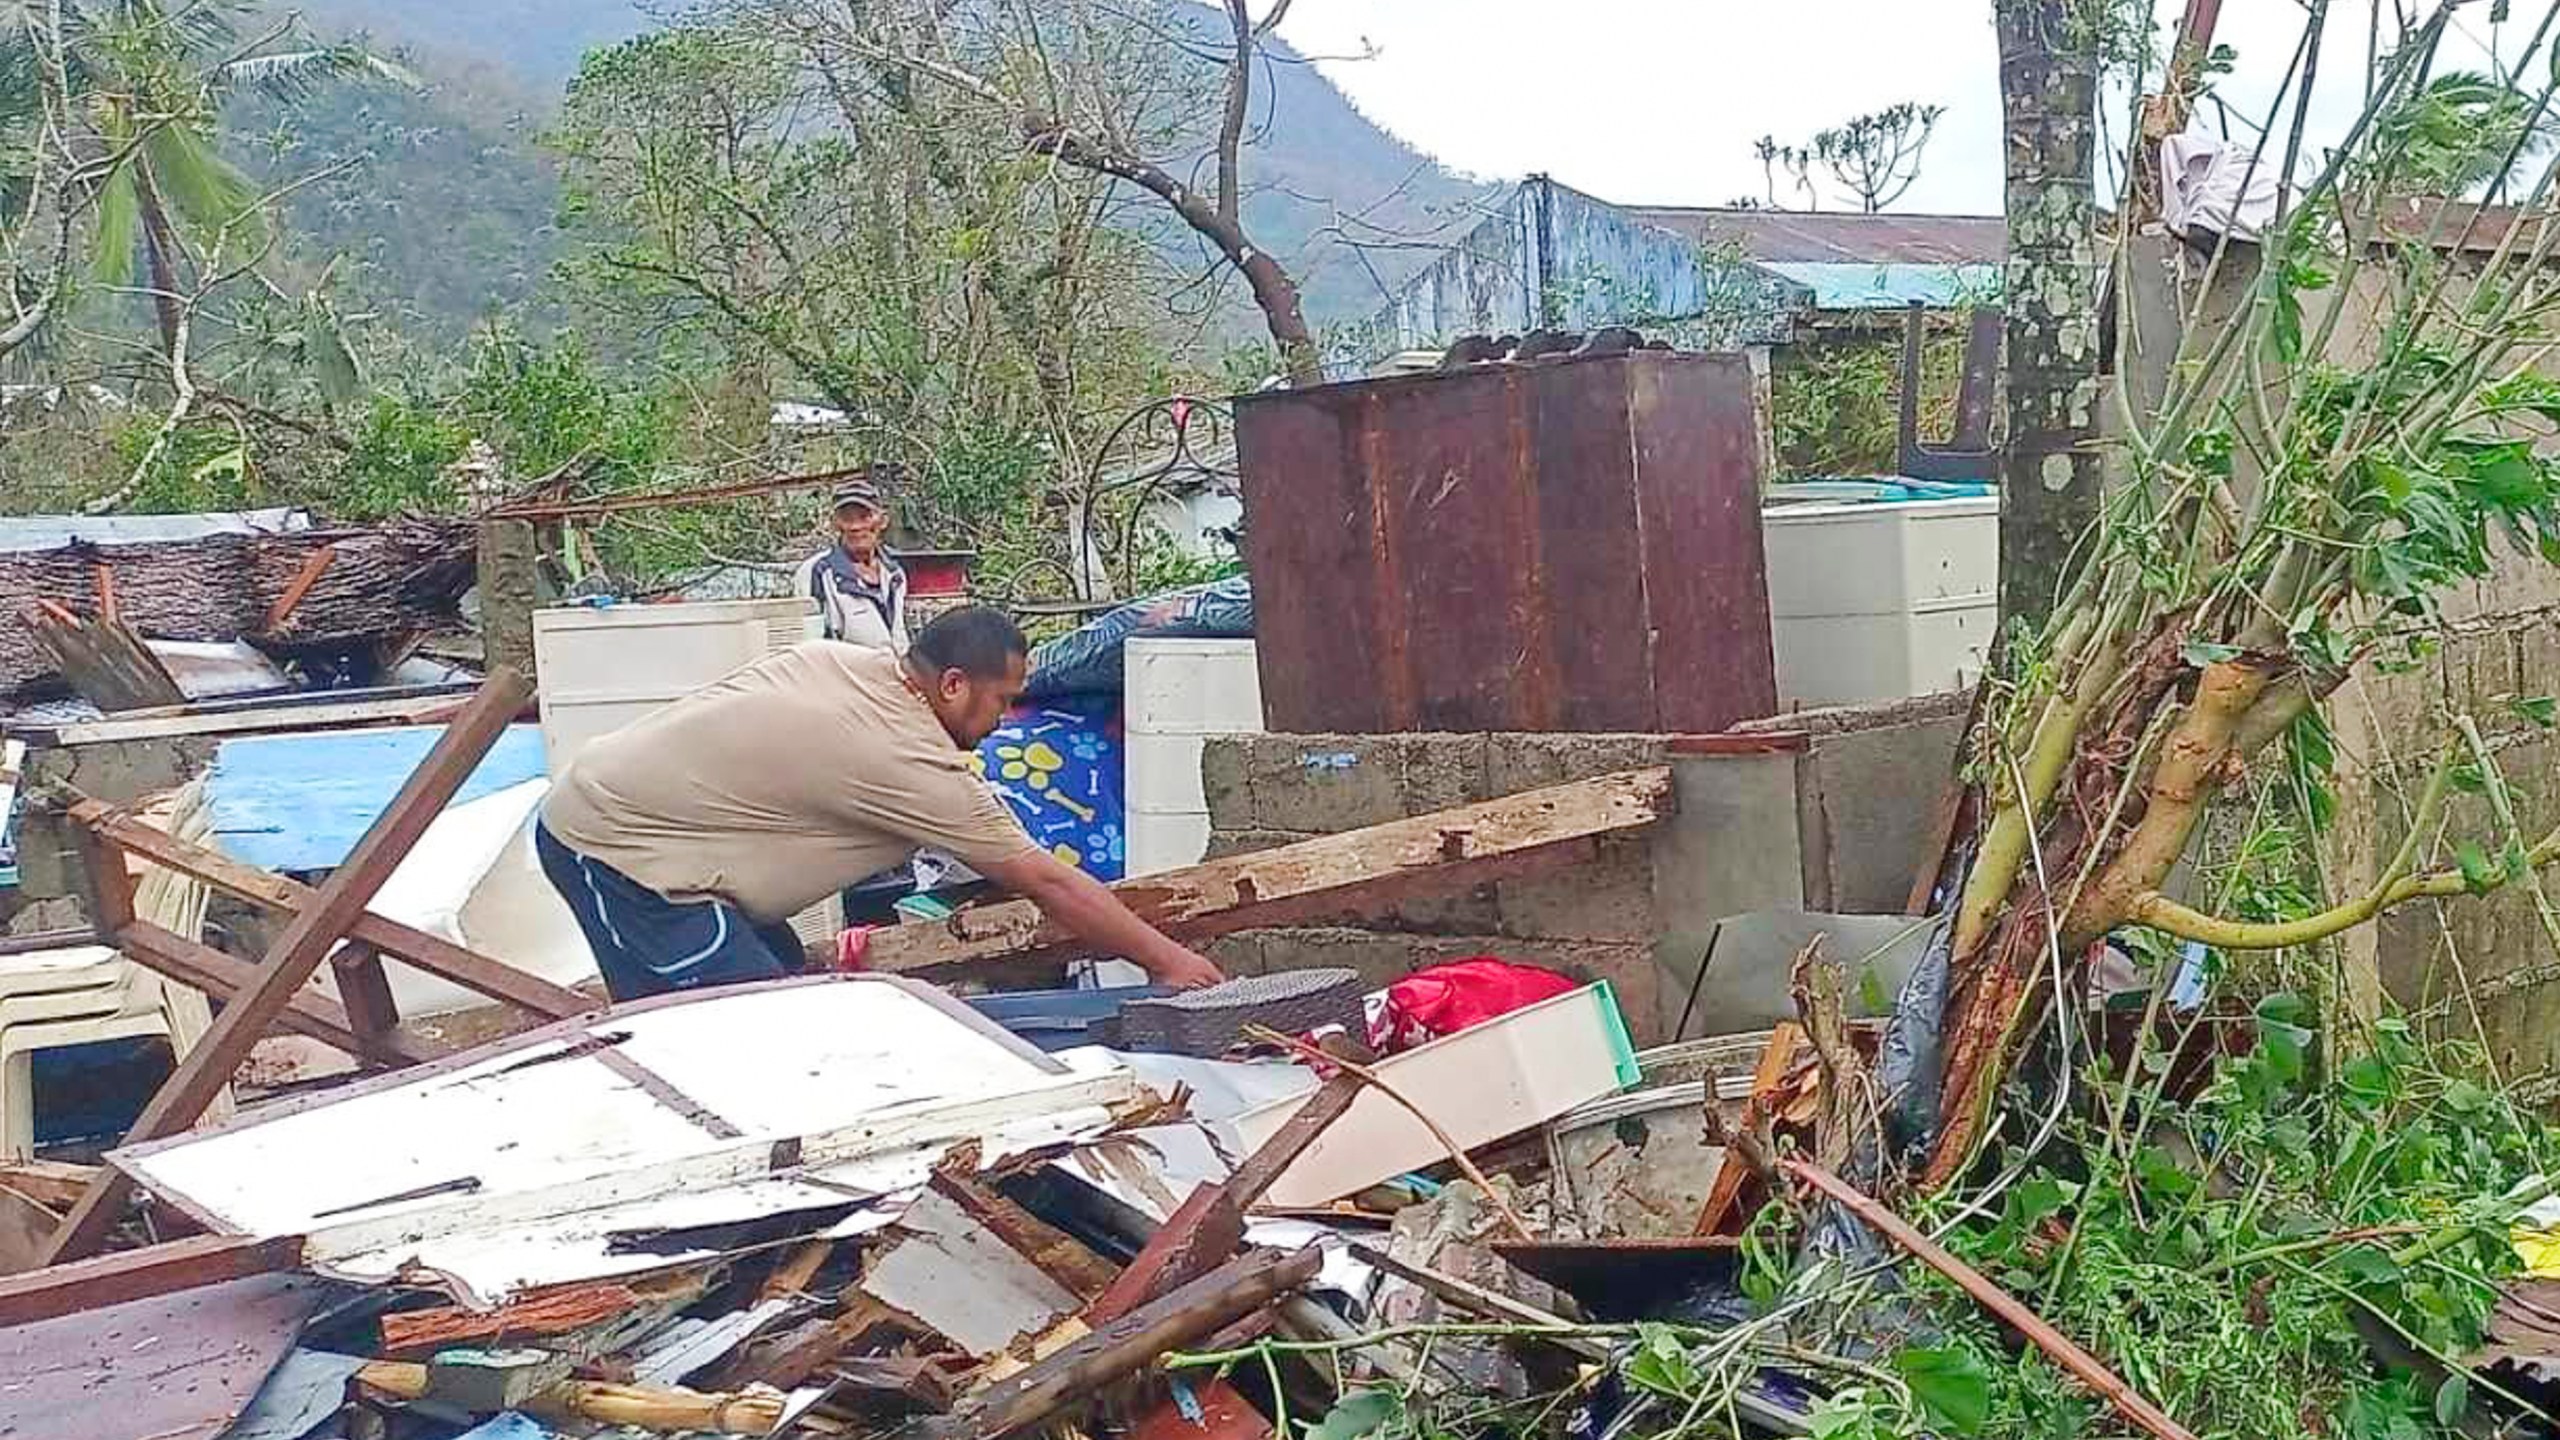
<point x="1185" y="970"/>
<point x="1087" y="907"/>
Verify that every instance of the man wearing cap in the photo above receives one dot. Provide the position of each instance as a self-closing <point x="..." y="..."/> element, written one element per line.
<point x="861" y="592"/>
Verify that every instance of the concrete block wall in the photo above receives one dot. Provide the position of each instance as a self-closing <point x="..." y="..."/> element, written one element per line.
<point x="52" y="883"/>
<point x="2499" y="640"/>
<point x="1753" y="832"/>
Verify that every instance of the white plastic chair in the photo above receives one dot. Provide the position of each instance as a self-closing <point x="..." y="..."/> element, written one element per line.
<point x="76" y="996"/>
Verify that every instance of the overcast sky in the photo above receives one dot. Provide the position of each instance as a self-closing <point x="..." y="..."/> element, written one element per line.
<point x="1659" y="101"/>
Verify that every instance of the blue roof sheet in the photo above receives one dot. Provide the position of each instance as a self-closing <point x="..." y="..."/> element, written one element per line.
<point x="1843" y="285"/>
<point x="300" y="802"/>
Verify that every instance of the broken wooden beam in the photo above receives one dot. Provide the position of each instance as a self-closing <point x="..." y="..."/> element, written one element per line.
<point x="646" y="1407"/>
<point x="1052" y="1251"/>
<point x="1208" y="1226"/>
<point x="433" y="954"/>
<point x="1129" y="1344"/>
<point x="207" y="1067"/>
<point x="542" y="1315"/>
<point x="162" y="1269"/>
<point x="199" y="966"/>
<point x="1345" y="874"/>
<point x="794" y="1357"/>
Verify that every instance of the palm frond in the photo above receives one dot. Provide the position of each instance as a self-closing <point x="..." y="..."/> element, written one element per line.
<point x="203" y="192"/>
<point x="119" y="232"/>
<point x="299" y="74"/>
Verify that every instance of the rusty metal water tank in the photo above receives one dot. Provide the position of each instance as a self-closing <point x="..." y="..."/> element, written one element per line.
<point x="1563" y="544"/>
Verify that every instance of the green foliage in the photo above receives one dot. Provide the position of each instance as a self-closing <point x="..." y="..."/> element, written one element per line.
<point x="205" y="466"/>
<point x="2235" y="1291"/>
<point x="403" y="450"/>
<point x="2458" y="132"/>
<point x="1834" y="404"/>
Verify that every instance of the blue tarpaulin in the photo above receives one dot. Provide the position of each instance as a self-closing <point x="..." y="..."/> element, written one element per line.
<point x="300" y="802"/>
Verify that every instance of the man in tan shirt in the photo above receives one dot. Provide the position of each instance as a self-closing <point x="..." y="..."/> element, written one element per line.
<point x="685" y="841"/>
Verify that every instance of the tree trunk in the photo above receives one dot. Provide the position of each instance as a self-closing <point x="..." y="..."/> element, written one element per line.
<point x="159" y="256"/>
<point x="2050" y="495"/>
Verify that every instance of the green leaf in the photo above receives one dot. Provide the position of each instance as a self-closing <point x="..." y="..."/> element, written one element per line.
<point x="2478" y="875"/>
<point x="2368" y="1265"/>
<point x="1358" y="1414"/>
<point x="2453" y="1399"/>
<point x="1952" y="1385"/>
<point x="2542" y="710"/>
<point x="1661" y="1363"/>
<point x="2286" y="327"/>
<point x="2201" y="653"/>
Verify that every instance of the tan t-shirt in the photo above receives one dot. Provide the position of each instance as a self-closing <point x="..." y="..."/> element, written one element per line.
<point x="789" y="780"/>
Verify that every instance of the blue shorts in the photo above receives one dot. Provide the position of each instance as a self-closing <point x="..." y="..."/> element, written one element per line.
<point x="646" y="944"/>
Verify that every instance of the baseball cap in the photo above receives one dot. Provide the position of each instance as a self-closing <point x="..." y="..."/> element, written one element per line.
<point x="858" y="492"/>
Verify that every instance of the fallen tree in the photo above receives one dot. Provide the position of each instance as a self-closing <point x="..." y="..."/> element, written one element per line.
<point x="2359" y="437"/>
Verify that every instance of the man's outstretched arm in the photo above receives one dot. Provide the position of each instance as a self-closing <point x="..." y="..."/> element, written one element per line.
<point x="1087" y="907"/>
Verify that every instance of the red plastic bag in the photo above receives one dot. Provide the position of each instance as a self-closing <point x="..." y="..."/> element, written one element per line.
<point x="1446" y="999"/>
<point x="853" y="949"/>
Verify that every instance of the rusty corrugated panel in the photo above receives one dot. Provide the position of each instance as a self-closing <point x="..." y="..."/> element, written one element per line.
<point x="1794" y="235"/>
<point x="1566" y="545"/>
<point x="173" y="1367"/>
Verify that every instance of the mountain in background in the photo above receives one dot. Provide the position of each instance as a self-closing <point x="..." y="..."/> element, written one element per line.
<point x="449" y="219"/>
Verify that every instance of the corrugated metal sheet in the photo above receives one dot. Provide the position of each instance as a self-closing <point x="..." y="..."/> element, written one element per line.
<point x="1569" y="545"/>
<point x="618" y="1143"/>
<point x="50" y="532"/>
<point x="1770" y="236"/>
<point x="1867" y="286"/>
<point x="172" y="1367"/>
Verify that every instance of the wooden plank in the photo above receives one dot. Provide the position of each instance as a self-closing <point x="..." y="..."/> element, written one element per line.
<point x="797" y="1355"/>
<point x="364" y="989"/>
<point x="1720" y="1214"/>
<point x="298" y="951"/>
<point x="1054" y="1252"/>
<point x="432" y="953"/>
<point x="201" y="967"/>
<point x="1384" y="862"/>
<point x="1204" y="1231"/>
<point x="249" y="717"/>
<point x="105" y="661"/>
<point x="1129" y="1344"/>
<point x="299" y="586"/>
<point x="161" y="1269"/>
<point x="54" y="1184"/>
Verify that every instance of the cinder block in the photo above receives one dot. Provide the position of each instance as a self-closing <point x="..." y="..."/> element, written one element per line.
<point x="1608" y="898"/>
<point x="1519" y="761"/>
<point x="1380" y="958"/>
<point x="1324" y="784"/>
<point x="1475" y="910"/>
<point x="1440" y="771"/>
<point x="1224" y="786"/>
<point x="1239" y="955"/>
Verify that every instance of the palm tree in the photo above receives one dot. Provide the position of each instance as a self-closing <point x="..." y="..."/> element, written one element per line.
<point x="147" y="80"/>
